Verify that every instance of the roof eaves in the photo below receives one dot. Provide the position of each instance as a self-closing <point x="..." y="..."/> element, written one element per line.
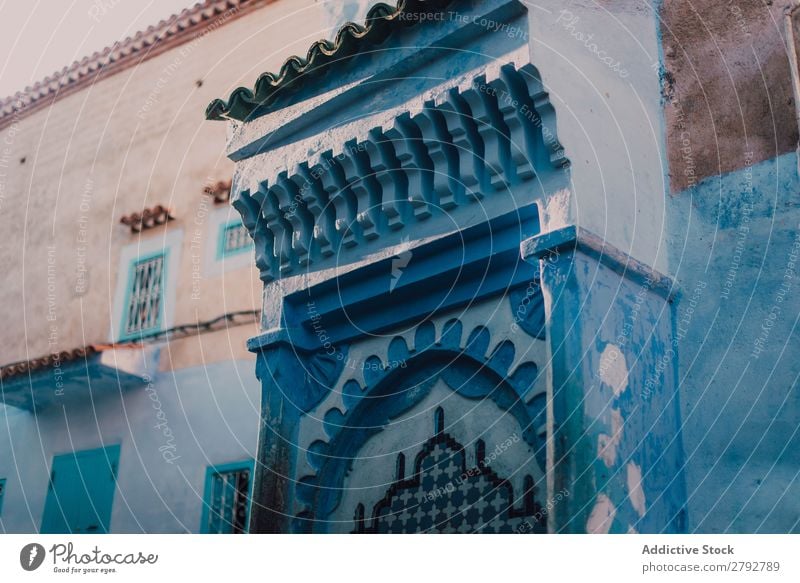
<point x="382" y="19"/>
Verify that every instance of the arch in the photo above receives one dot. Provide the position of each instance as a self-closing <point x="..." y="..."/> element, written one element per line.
<point x="469" y="372"/>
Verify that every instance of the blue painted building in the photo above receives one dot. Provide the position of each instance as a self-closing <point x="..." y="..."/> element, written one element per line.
<point x="519" y="269"/>
<point x="128" y="401"/>
<point x="471" y="227"/>
<point x="429" y="297"/>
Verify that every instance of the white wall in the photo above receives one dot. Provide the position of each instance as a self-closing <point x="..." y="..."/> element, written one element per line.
<point x="609" y="118"/>
<point x="210" y="417"/>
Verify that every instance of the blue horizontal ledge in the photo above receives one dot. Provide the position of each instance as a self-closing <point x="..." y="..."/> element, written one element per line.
<point x="421" y="282"/>
<point x="577" y="238"/>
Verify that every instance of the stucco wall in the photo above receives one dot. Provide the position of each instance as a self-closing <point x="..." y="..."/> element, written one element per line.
<point x="169" y="433"/>
<point x="599" y="61"/>
<point x="722" y="131"/>
<point x="737" y="255"/>
<point x="733" y="223"/>
<point x="727" y="85"/>
<point x="128" y="142"/>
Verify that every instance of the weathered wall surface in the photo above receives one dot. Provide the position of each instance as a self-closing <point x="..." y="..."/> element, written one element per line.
<point x="733" y="225"/>
<point x="616" y="437"/>
<point x="131" y="141"/>
<point x="717" y="146"/>
<point x="727" y="85"/>
<point x="737" y="252"/>
<point x="162" y="464"/>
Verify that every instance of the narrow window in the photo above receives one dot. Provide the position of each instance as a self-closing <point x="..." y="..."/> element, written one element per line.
<point x="233" y="238"/>
<point x="145" y="296"/>
<point x="227" y="498"/>
<point x="2" y="493"/>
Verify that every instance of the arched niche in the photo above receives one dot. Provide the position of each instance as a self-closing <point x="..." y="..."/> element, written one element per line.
<point x="438" y="396"/>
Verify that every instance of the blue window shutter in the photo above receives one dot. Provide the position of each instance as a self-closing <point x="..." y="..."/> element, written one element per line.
<point x="80" y="493"/>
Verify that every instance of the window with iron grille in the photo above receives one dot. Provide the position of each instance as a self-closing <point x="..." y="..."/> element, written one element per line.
<point x="234" y="238"/>
<point x="145" y="296"/>
<point x="227" y="499"/>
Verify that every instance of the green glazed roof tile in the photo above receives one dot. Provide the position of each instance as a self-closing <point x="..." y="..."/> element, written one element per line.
<point x="382" y="19"/>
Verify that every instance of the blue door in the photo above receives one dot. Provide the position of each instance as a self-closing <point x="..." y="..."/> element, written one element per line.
<point x="81" y="491"/>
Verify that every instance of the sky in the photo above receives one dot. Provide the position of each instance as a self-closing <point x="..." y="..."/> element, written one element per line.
<point x="40" y="37"/>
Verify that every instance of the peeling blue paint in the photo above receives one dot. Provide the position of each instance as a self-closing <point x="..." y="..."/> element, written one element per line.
<point x="734" y="238"/>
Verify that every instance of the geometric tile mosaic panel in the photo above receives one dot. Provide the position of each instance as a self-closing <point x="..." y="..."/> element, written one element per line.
<point x="444" y="496"/>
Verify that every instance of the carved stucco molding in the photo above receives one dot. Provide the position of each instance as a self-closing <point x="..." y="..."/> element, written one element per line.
<point x="470" y="146"/>
<point x="476" y="367"/>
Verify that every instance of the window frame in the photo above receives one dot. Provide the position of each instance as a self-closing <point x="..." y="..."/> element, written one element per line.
<point x="222" y="254"/>
<point x="211" y="471"/>
<point x="161" y="317"/>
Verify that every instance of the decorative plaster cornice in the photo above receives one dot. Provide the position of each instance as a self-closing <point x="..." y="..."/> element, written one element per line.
<point x="176" y="30"/>
<point x="351" y="40"/>
<point x="474" y="144"/>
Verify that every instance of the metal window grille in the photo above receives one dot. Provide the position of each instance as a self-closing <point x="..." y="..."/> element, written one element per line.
<point x="229" y="502"/>
<point x="146" y="296"/>
<point x="235" y="238"/>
